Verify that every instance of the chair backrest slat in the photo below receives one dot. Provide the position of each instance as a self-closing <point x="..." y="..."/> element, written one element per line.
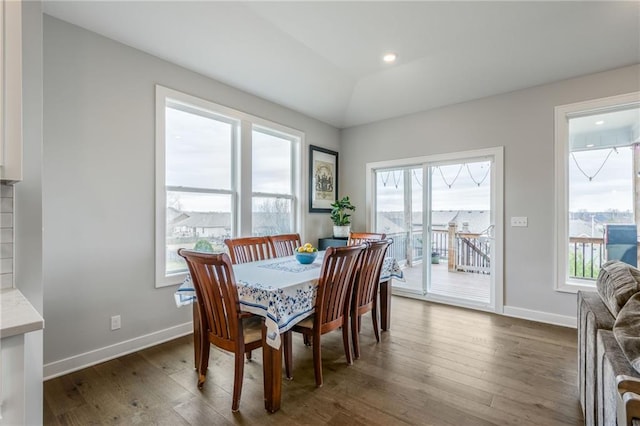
<point x="335" y="283"/>
<point x="284" y="245"/>
<point x="216" y="292"/>
<point x="356" y="238"/>
<point x="248" y="249"/>
<point x="369" y="274"/>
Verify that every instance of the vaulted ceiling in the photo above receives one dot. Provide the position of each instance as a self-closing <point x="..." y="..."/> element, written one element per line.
<point x="324" y="59"/>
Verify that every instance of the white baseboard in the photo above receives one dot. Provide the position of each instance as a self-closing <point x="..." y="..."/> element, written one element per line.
<point x="96" y="356"/>
<point x="540" y="316"/>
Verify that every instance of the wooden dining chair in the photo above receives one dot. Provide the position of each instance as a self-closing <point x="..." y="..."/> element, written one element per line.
<point x="248" y="249"/>
<point x="284" y="245"/>
<point x="333" y="301"/>
<point x="356" y="238"/>
<point x="365" y="290"/>
<point x="222" y="323"/>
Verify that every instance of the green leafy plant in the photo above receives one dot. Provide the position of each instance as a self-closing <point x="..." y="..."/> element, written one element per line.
<point x="203" y="246"/>
<point x="340" y="211"/>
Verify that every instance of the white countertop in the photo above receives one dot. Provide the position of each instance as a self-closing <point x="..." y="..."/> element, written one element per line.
<point x="17" y="315"/>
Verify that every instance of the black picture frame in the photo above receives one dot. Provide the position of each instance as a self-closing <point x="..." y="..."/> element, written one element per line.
<point x="323" y="179"/>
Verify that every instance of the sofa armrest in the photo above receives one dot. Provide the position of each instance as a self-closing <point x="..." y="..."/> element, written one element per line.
<point x="628" y="408"/>
<point x="628" y="399"/>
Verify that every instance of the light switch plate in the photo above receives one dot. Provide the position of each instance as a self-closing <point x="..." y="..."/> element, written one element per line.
<point x="520" y="221"/>
<point x="115" y="322"/>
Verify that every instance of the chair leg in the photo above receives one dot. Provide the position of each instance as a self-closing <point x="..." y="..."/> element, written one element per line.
<point x="287" y="346"/>
<point x="354" y="336"/>
<point x="197" y="335"/>
<point x="317" y="360"/>
<point x="345" y="342"/>
<point x="204" y="363"/>
<point x="374" y="318"/>
<point x="306" y="340"/>
<point x="248" y="355"/>
<point x="237" y="380"/>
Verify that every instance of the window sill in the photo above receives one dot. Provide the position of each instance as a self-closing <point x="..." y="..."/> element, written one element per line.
<point x="575" y="286"/>
<point x="175" y="279"/>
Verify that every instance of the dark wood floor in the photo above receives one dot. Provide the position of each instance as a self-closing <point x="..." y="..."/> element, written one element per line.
<point x="437" y="365"/>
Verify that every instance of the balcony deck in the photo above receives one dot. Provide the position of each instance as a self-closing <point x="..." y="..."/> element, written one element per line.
<point x="465" y="285"/>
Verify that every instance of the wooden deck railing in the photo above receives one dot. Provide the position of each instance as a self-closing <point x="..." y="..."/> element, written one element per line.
<point x="465" y="252"/>
<point x="586" y="256"/>
<point x="470" y="252"/>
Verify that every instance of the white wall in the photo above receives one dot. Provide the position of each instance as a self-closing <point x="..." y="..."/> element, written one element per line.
<point x="28" y="203"/>
<point x="98" y="186"/>
<point x="522" y="122"/>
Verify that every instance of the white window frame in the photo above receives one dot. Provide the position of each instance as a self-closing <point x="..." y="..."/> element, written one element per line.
<point x="562" y="152"/>
<point x="295" y="177"/>
<point x="240" y="168"/>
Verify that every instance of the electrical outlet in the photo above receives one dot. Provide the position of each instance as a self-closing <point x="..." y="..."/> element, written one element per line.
<point x="115" y="322"/>
<point x="519" y="221"/>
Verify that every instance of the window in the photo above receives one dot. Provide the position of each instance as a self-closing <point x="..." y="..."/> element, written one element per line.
<point x="220" y="173"/>
<point x="597" y="173"/>
<point x="273" y="209"/>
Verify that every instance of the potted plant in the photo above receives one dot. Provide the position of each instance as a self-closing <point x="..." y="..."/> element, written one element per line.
<point x="341" y="218"/>
<point x="435" y="256"/>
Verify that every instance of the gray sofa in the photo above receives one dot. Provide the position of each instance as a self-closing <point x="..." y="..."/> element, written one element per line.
<point x="593" y="315"/>
<point x="607" y="379"/>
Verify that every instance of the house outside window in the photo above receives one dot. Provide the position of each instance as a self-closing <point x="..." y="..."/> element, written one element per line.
<point x="597" y="179"/>
<point x="220" y="173"/>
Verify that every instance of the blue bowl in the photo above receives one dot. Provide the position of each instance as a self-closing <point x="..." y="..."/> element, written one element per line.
<point x="306" y="258"/>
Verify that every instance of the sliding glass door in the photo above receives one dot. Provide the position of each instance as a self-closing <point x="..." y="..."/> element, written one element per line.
<point x="399" y="214"/>
<point x="461" y="231"/>
<point x="441" y="214"/>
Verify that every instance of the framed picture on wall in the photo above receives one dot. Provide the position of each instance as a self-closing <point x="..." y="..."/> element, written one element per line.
<point x="323" y="179"/>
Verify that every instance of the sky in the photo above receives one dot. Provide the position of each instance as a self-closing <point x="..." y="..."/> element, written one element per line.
<point x="609" y="189"/>
<point x="198" y="154"/>
<point x="454" y="187"/>
<point x="199" y="150"/>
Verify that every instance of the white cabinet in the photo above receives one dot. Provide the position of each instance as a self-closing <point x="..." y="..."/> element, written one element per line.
<point x="11" y="90"/>
<point x="19" y="324"/>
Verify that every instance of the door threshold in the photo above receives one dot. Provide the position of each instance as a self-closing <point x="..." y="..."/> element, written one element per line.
<point x="479" y="306"/>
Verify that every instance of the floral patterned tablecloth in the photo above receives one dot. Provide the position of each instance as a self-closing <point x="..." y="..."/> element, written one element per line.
<point x="281" y="290"/>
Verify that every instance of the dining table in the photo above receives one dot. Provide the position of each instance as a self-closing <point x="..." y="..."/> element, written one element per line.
<point x="283" y="292"/>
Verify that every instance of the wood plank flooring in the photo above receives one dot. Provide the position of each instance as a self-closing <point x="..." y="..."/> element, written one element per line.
<point x="438" y="365"/>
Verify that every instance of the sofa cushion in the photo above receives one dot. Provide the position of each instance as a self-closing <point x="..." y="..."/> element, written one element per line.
<point x="627" y="331"/>
<point x="616" y="283"/>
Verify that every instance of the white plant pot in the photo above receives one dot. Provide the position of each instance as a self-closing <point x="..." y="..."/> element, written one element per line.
<point x="341" y="231"/>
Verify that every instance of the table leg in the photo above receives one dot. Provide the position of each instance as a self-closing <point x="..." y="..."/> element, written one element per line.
<point x="272" y="370"/>
<point x="196" y="334"/>
<point x="385" y="305"/>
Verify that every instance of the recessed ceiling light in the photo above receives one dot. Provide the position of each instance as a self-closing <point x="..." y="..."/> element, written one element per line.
<point x="390" y="57"/>
<point x="599" y="123"/>
<point x="590" y="145"/>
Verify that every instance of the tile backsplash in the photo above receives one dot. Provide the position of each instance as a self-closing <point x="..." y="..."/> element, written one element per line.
<point x="6" y="236"/>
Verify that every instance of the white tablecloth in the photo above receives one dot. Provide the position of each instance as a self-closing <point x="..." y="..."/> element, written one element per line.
<point x="281" y="290"/>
